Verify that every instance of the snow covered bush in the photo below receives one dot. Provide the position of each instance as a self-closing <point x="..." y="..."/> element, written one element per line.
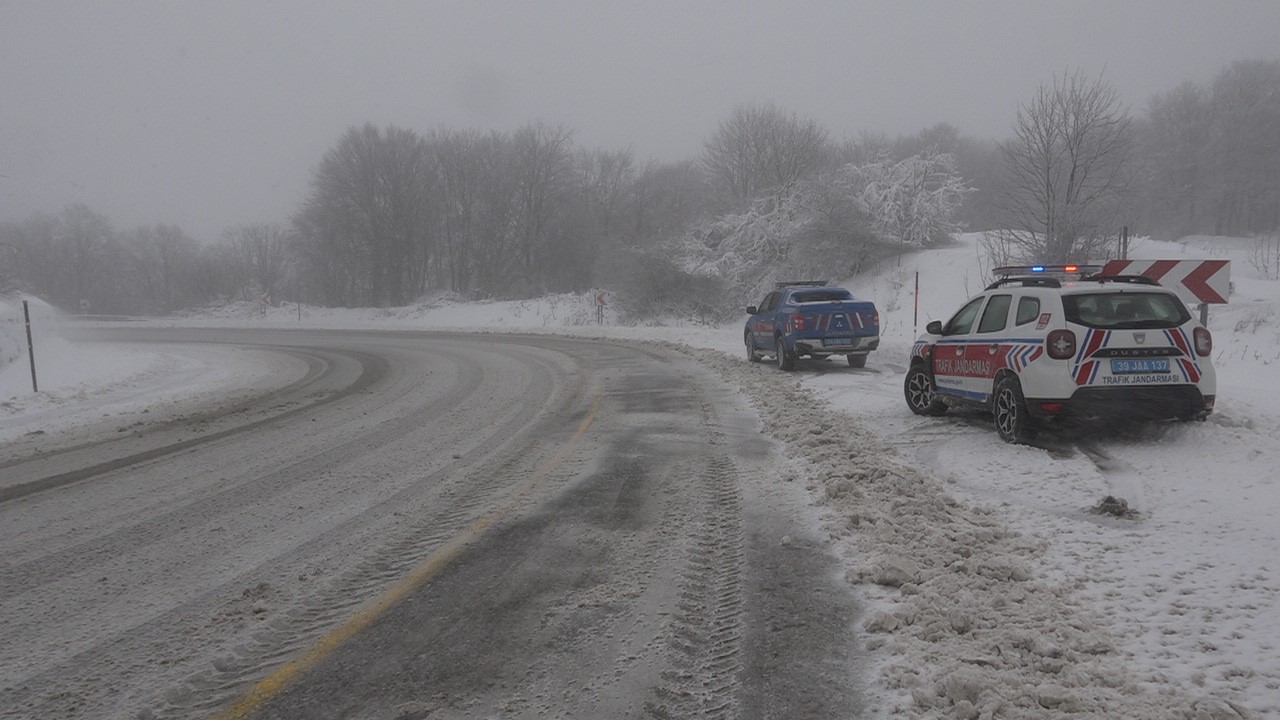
<point x="912" y="201"/>
<point x="829" y="227"/>
<point x="1266" y="256"/>
<point x="649" y="286"/>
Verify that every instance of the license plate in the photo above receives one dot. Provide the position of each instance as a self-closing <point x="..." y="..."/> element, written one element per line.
<point x="838" y="342"/>
<point x="1125" y="367"/>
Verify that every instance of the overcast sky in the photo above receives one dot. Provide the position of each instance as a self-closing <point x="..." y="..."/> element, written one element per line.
<point x="212" y="114"/>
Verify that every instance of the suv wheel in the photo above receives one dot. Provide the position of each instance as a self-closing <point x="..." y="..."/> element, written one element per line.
<point x="752" y="355"/>
<point x="920" y="395"/>
<point x="786" y="361"/>
<point x="1013" y="423"/>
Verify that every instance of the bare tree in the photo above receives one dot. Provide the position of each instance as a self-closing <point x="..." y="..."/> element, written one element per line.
<point x="542" y="167"/>
<point x="1245" y="147"/>
<point x="664" y="200"/>
<point x="497" y="237"/>
<point x="1067" y="165"/>
<point x="457" y="159"/>
<point x="1173" y="142"/>
<point x="162" y="256"/>
<point x="373" y="192"/>
<point x="760" y="148"/>
<point x="262" y="252"/>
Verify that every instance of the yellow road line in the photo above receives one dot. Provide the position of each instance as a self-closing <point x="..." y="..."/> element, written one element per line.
<point x="275" y="683"/>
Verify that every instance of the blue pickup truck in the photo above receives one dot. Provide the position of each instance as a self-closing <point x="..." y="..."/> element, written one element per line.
<point x="814" y="319"/>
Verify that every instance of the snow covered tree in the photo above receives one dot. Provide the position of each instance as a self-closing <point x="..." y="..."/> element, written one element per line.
<point x="913" y="201"/>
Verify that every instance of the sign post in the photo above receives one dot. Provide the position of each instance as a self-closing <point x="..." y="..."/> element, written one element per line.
<point x="31" y="349"/>
<point x="915" y="318"/>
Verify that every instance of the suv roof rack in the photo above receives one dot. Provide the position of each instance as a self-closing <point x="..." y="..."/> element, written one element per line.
<point x="801" y="283"/>
<point x="1135" y="279"/>
<point x="1032" y="281"/>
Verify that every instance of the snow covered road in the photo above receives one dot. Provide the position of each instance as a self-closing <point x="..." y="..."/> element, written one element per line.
<point x="489" y="524"/>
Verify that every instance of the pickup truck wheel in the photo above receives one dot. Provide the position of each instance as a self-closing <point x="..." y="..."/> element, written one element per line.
<point x="921" y="397"/>
<point x="786" y="361"/>
<point x="857" y="360"/>
<point x="1013" y="423"/>
<point x="752" y="355"/>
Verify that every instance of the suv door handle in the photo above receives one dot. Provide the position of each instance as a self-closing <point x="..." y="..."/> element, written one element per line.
<point x="993" y="348"/>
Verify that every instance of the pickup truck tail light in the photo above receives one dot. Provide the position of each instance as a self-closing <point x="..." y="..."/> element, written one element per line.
<point x="875" y="319"/>
<point x="797" y="322"/>
<point x="1061" y="344"/>
<point x="1204" y="342"/>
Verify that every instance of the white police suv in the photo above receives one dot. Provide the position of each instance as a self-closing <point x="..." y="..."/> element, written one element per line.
<point x="1052" y="342"/>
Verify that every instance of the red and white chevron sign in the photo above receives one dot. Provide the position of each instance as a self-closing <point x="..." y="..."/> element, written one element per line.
<point x="1195" y="281"/>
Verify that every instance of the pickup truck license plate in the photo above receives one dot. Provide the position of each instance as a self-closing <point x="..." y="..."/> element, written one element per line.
<point x="838" y="342"/>
<point x="1126" y="367"/>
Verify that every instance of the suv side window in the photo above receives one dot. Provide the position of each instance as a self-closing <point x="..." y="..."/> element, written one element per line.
<point x="770" y="302"/>
<point x="1028" y="310"/>
<point x="962" y="322"/>
<point x="996" y="316"/>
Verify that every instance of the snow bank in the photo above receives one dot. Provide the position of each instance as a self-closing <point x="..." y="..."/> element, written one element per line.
<point x="1186" y="589"/>
<point x="964" y="622"/>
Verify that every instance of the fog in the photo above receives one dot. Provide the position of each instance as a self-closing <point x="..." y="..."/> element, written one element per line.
<point x="206" y="115"/>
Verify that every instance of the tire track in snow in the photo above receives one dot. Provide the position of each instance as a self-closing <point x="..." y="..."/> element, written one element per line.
<point x="463" y="500"/>
<point x="372" y="370"/>
<point x="705" y="633"/>
<point x="460" y="487"/>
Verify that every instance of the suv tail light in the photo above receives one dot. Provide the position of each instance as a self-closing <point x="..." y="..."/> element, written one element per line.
<point x="1204" y="341"/>
<point x="1061" y="344"/>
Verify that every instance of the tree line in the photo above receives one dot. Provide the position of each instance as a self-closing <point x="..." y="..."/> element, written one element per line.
<point x="393" y="213"/>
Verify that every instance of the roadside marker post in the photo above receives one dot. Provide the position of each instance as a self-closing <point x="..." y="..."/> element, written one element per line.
<point x="31" y="348"/>
<point x="915" y="318"/>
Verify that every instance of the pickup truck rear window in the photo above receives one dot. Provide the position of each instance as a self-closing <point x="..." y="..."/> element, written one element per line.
<point x="811" y="296"/>
<point x="1127" y="310"/>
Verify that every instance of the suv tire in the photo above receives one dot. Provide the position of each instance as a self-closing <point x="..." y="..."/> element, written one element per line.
<point x="1013" y="423"/>
<point x="786" y="361"/>
<point x="921" y="397"/>
<point x="752" y="355"/>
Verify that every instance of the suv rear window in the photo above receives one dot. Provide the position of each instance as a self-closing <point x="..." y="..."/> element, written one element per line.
<point x="1111" y="310"/>
<point x="808" y="296"/>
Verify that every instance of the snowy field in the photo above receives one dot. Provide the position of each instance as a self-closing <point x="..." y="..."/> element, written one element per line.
<point x="992" y="586"/>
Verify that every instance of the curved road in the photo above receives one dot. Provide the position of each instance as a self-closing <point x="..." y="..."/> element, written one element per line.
<point x="421" y="525"/>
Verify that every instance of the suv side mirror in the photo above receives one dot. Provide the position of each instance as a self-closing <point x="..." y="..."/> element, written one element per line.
<point x="934" y="328"/>
<point x="751" y="310"/>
